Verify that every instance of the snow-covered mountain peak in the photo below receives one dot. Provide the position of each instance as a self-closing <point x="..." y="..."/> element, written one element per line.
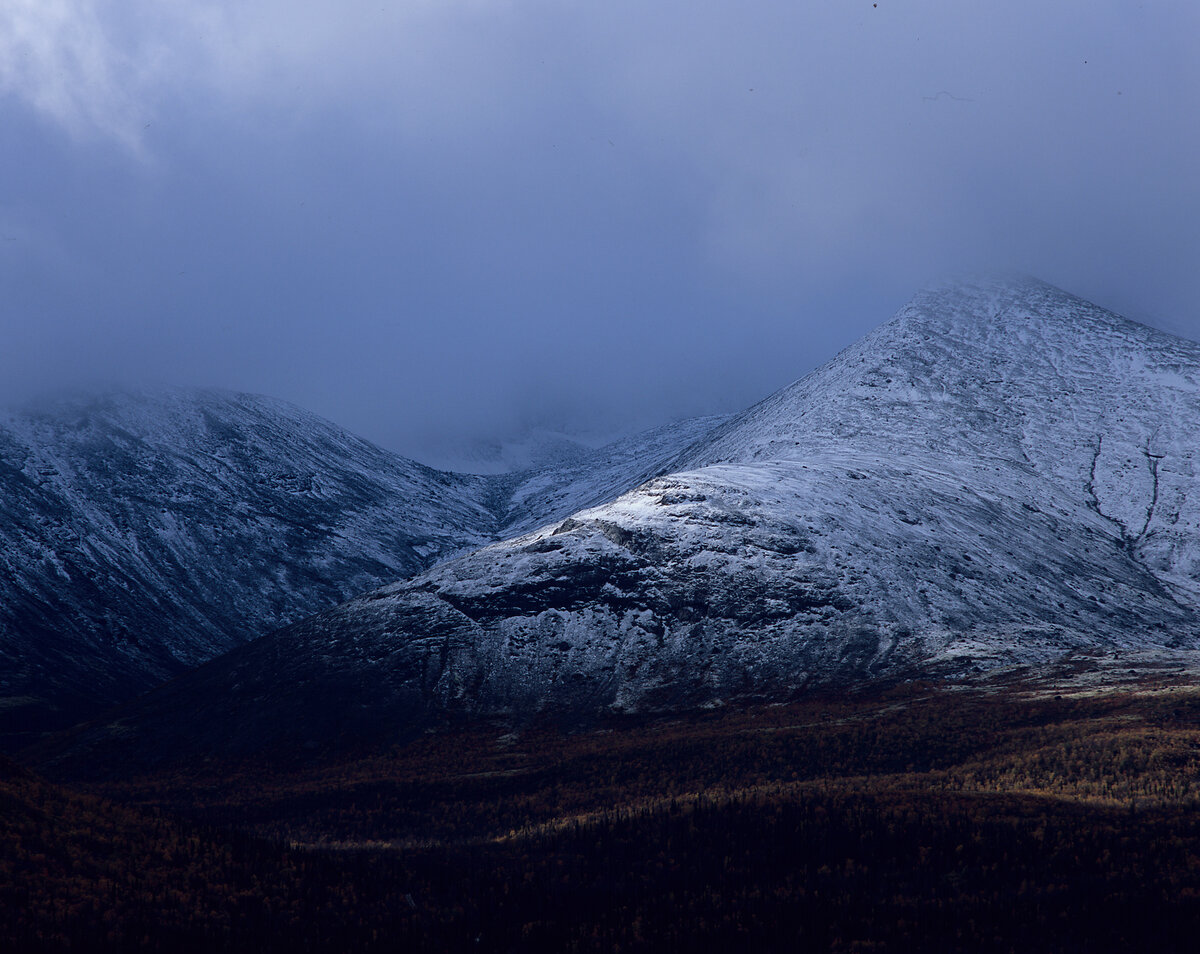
<point x="985" y="365"/>
<point x="985" y="308"/>
<point x="984" y="296"/>
<point x="1001" y="474"/>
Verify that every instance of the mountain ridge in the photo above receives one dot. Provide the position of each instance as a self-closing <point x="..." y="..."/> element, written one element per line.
<point x="935" y="499"/>
<point x="145" y="532"/>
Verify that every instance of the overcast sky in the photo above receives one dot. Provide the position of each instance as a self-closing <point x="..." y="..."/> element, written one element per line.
<point x="457" y="217"/>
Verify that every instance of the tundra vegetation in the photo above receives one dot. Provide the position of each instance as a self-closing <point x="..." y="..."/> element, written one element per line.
<point x="920" y="817"/>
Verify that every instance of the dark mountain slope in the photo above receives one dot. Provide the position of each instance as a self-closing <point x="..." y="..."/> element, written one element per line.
<point x="142" y="534"/>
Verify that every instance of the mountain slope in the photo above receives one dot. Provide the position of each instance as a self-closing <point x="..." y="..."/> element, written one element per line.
<point x="142" y="534"/>
<point x="594" y="476"/>
<point x="1021" y="372"/>
<point x="1001" y="475"/>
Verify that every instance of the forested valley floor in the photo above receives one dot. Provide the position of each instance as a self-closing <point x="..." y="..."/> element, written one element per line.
<point x="922" y="817"/>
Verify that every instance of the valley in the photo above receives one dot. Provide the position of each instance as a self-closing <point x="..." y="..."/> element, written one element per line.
<point x="1036" y="814"/>
<point x="906" y="656"/>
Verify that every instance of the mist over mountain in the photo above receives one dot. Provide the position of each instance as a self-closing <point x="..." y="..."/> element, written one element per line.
<point x="1001" y="475"/>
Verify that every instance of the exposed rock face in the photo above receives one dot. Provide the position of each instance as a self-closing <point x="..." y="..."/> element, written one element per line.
<point x="1002" y="474"/>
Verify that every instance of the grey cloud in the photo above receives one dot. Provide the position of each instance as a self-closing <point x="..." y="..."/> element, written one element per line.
<point x="461" y="217"/>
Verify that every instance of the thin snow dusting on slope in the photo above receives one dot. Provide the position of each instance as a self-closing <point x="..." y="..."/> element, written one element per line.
<point x="1023" y="372"/>
<point x="759" y="580"/>
<point x="599" y="475"/>
<point x="143" y="533"/>
<point x="1002" y="474"/>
